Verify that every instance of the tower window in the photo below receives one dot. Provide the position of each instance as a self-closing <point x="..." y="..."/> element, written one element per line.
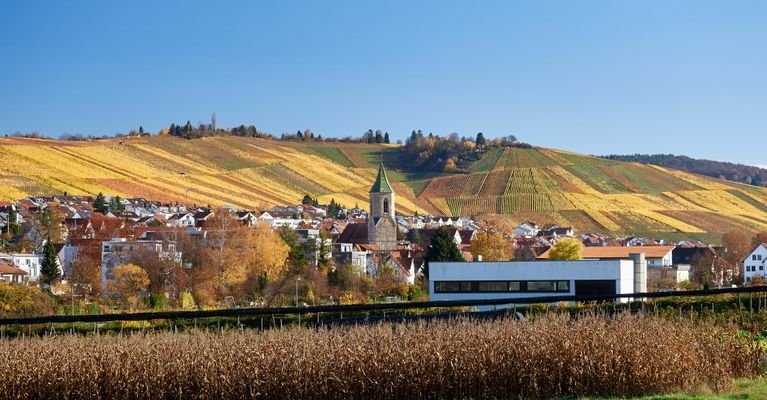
<point x="386" y="206"/>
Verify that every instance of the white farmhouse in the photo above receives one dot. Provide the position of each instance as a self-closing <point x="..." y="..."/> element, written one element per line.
<point x="754" y="263"/>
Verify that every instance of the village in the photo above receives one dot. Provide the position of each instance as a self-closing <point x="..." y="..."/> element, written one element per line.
<point x="372" y="255"/>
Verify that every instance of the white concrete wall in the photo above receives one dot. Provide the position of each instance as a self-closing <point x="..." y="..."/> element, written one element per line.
<point x="622" y="271"/>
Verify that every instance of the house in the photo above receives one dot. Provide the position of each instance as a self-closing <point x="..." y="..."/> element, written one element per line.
<point x="526" y="229"/>
<point x="181" y="220"/>
<point x="555" y="231"/>
<point x="462" y="238"/>
<point x="11" y="274"/>
<point x="29" y="263"/>
<point x="246" y="218"/>
<point x="406" y="263"/>
<point x="657" y="256"/>
<point x="347" y="253"/>
<point x="201" y="216"/>
<point x="754" y="263"/>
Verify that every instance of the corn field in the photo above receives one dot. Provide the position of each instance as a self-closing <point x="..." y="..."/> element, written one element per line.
<point x="548" y="356"/>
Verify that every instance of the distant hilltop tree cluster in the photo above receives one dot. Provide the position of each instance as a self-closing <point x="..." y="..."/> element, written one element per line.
<point x="450" y="153"/>
<point x="433" y="152"/>
<point x="734" y="172"/>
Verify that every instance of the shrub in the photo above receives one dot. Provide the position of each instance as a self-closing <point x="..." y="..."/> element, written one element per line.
<point x="22" y="301"/>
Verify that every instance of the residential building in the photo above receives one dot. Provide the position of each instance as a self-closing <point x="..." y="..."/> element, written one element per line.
<point x="754" y="263"/>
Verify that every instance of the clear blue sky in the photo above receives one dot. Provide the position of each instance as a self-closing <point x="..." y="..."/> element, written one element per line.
<point x="595" y="77"/>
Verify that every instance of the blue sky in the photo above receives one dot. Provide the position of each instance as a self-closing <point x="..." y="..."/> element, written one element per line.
<point x="687" y="77"/>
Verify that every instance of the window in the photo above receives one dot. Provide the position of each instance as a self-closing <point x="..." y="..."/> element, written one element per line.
<point x="761" y="268"/>
<point x="500" y="286"/>
<point x="759" y="257"/>
<point x="491" y="286"/>
<point x="541" y="286"/>
<point x="386" y="206"/>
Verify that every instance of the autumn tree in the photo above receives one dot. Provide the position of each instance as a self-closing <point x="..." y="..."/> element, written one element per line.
<point x="492" y="246"/>
<point x="222" y="258"/>
<point x="567" y="249"/>
<point x="441" y="248"/>
<point x="48" y="223"/>
<point x="703" y="269"/>
<point x="524" y="253"/>
<point x="129" y="282"/>
<point x="165" y="274"/>
<point x="265" y="259"/>
<point x="736" y="246"/>
<point x="760" y="237"/>
<point x="85" y="270"/>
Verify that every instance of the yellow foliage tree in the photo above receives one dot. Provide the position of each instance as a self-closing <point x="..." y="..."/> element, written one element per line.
<point x="129" y="281"/>
<point x="567" y="249"/>
<point x="492" y="246"/>
<point x="266" y="254"/>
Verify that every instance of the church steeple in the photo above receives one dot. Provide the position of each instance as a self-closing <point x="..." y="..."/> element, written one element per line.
<point x="381" y="184"/>
<point x="382" y="226"/>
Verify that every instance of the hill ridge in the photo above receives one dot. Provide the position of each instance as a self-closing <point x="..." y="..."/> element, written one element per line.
<point x="545" y="185"/>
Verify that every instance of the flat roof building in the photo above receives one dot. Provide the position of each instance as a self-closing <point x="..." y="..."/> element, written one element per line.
<point x="523" y="279"/>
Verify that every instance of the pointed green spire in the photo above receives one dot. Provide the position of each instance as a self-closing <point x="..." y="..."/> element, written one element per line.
<point x="381" y="184"/>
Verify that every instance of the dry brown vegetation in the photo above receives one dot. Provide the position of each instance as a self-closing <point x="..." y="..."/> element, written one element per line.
<point x="547" y="357"/>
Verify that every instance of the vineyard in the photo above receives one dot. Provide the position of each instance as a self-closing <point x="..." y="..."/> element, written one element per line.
<point x="591" y="194"/>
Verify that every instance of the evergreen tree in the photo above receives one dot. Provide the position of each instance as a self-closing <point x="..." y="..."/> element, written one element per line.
<point x="442" y="248"/>
<point x="414" y="236"/>
<point x="49" y="270"/>
<point x="141" y="130"/>
<point x="119" y="206"/>
<point x="386" y="138"/>
<point x="480" y="139"/>
<point x="99" y="204"/>
<point x="307" y="200"/>
<point x="13" y="225"/>
<point x="299" y="135"/>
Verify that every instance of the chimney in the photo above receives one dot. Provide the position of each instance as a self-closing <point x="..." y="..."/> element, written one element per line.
<point x="477" y="258"/>
<point x="640" y="272"/>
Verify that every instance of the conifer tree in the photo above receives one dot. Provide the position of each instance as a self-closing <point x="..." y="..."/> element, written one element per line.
<point x="49" y="269"/>
<point x="442" y="248"/>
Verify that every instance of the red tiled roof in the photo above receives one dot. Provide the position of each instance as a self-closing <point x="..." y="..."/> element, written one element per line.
<point x="354" y="233"/>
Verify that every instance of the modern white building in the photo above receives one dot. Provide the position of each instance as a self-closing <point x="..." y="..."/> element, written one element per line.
<point x="522" y="279"/>
<point x="754" y="263"/>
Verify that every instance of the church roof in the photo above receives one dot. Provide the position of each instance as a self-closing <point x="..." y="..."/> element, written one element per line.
<point x="381" y="184"/>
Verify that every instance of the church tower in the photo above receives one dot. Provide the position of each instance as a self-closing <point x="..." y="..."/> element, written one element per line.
<point x="382" y="225"/>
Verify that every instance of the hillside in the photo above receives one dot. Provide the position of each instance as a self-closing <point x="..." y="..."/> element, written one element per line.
<point x="544" y="185"/>
<point x="717" y="169"/>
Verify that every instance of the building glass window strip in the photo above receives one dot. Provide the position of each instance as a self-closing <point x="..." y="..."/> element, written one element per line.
<point x="501" y="286"/>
